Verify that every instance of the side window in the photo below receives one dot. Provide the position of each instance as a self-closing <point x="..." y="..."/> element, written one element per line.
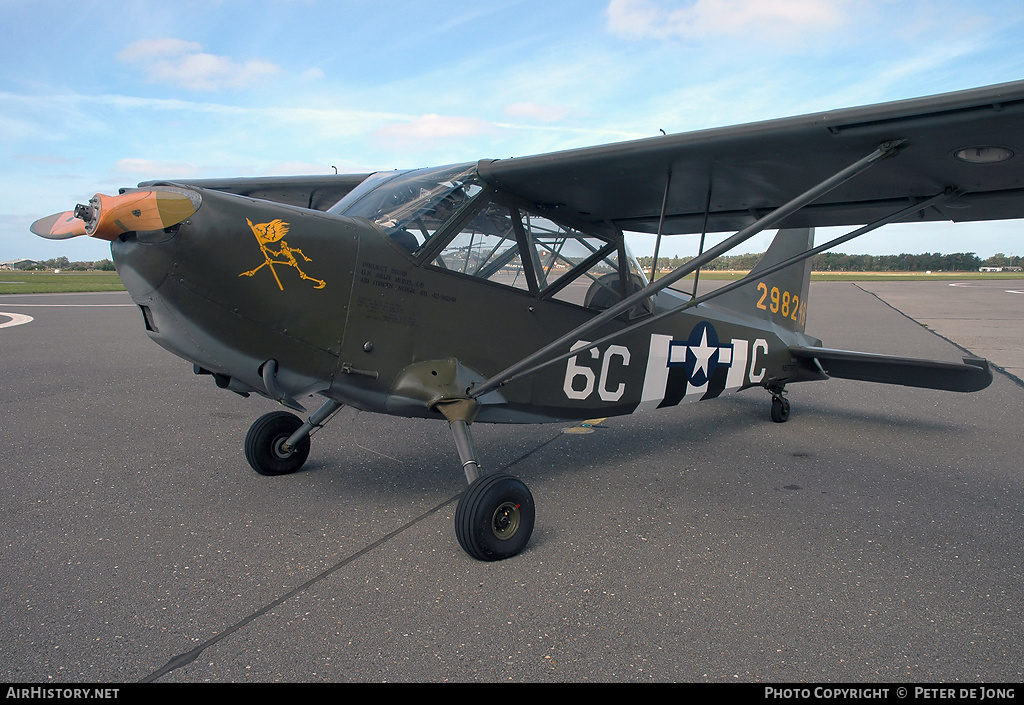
<point x="558" y="250"/>
<point x="487" y="248"/>
<point x="526" y="251"/>
<point x="582" y="269"/>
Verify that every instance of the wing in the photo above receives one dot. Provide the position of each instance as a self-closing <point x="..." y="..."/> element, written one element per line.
<point x="971" y="140"/>
<point x="316" y="192"/>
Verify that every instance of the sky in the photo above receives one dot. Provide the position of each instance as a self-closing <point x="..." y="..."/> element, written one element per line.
<point x="95" y="96"/>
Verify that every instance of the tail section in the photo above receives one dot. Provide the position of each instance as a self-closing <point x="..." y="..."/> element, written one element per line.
<point x="779" y="296"/>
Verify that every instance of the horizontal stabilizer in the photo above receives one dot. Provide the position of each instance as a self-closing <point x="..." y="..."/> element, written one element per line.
<point x="973" y="375"/>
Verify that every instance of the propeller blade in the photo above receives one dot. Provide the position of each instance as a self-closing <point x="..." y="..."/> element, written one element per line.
<point x="59" y="226"/>
<point x="107" y="217"/>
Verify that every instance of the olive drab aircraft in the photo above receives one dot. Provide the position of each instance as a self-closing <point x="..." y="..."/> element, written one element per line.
<point x="502" y="291"/>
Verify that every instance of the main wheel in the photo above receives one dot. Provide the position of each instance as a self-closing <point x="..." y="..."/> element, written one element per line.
<point x="494" y="518"/>
<point x="780" y="409"/>
<point x="265" y="438"/>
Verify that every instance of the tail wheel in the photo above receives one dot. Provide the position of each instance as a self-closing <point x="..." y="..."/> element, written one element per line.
<point x="263" y="444"/>
<point x="780" y="409"/>
<point x="494" y="518"/>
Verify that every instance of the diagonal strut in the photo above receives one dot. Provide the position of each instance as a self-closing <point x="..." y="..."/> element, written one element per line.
<point x="528" y="363"/>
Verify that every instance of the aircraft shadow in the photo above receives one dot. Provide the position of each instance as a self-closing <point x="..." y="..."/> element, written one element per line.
<point x="426" y="456"/>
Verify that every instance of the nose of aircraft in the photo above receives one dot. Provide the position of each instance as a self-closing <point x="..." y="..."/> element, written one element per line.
<point x="108" y="217"/>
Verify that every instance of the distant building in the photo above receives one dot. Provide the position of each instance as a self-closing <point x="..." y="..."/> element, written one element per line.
<point x="17" y="263"/>
<point x="1001" y="269"/>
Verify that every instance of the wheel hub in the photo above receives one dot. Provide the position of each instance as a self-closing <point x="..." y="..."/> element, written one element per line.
<point x="279" y="448"/>
<point x="505" y="521"/>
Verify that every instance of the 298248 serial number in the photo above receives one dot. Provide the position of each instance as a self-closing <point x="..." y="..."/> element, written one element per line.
<point x="778" y="301"/>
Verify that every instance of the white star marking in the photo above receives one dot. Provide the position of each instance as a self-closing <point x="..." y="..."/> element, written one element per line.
<point x="703" y="354"/>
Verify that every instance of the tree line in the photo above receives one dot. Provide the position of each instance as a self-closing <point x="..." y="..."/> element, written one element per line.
<point x="66" y="265"/>
<point x="840" y="262"/>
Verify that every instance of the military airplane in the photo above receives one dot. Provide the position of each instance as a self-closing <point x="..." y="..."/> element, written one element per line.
<point x="503" y="291"/>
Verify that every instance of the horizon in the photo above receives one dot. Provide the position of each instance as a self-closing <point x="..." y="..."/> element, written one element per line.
<point x="640" y="257"/>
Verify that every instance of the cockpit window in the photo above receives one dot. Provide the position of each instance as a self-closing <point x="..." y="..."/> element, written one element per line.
<point x="487" y="247"/>
<point x="435" y="214"/>
<point x="510" y="245"/>
<point x="411" y="205"/>
<point x="369" y="184"/>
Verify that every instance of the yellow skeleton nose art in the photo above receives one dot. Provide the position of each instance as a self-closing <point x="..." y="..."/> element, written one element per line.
<point x="268" y="234"/>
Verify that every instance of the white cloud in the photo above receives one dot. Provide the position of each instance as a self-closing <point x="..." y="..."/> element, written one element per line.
<point x="182" y="63"/>
<point x="427" y="130"/>
<point x="297" y="168"/>
<point x="535" y="111"/>
<point x="148" y="168"/>
<point x="47" y="160"/>
<point x="770" y="19"/>
<point x="151" y="49"/>
<point x="313" y="74"/>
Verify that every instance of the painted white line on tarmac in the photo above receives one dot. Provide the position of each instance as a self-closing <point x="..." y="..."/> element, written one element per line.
<point x="17" y="319"/>
<point x="975" y="286"/>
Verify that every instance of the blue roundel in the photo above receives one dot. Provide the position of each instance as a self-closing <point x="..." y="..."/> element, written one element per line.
<point x="700" y="355"/>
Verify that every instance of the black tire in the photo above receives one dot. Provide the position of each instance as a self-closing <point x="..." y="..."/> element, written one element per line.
<point x="494" y="518"/>
<point x="780" y="410"/>
<point x="263" y="444"/>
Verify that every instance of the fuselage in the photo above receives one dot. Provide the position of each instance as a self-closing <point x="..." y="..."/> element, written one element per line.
<point x="395" y="300"/>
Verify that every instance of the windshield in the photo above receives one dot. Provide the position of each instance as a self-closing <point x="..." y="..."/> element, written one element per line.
<point x="417" y="202"/>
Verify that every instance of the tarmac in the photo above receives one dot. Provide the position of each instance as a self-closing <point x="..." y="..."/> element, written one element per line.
<point x="873" y="538"/>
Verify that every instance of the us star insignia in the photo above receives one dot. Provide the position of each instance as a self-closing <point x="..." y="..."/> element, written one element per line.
<point x="701" y="354"/>
<point x="269" y="234"/>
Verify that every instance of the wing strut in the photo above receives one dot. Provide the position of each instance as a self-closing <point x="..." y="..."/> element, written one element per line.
<point x="661" y="224"/>
<point x="947" y="195"/>
<point x="703" y="234"/>
<point x="886" y="149"/>
<point x="899" y="215"/>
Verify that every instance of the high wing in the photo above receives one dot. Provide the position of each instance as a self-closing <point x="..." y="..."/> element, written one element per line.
<point x="971" y="141"/>
<point x="316" y="192"/>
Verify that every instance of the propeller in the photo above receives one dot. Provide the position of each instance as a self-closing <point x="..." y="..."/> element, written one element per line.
<point x="59" y="226"/>
<point x="108" y="217"/>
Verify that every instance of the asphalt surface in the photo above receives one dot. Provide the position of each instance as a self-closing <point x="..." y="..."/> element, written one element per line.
<point x="875" y="537"/>
<point x="986" y="317"/>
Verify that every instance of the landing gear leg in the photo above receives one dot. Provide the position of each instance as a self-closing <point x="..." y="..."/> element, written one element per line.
<point x="780" y="405"/>
<point x="317" y="420"/>
<point x="467" y="453"/>
<point x="278" y="442"/>
<point x="495" y="515"/>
